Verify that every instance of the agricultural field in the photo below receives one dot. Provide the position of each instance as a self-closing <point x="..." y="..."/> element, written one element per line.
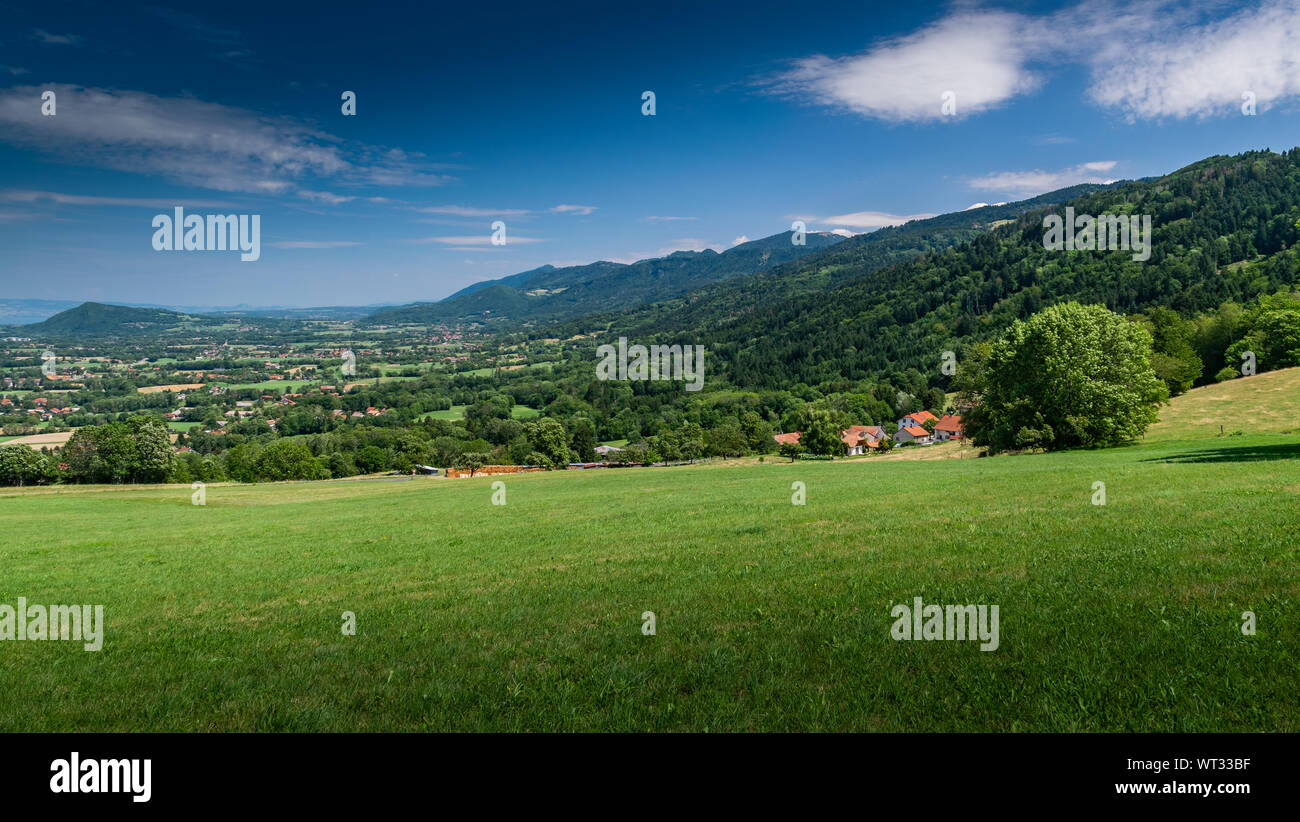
<point x="769" y="615"/>
<point x="272" y="385"/>
<point x="457" y="412"/>
<point x="1264" y="402"/>
<point x="487" y="372"/>
<point x="39" y="441"/>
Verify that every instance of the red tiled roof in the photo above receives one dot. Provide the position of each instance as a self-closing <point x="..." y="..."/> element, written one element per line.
<point x="922" y="416"/>
<point x="917" y="431"/>
<point x="793" y="437"/>
<point x="949" y="422"/>
<point x="874" y="432"/>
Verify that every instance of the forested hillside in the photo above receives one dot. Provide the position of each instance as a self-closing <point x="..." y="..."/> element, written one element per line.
<point x="550" y="294"/>
<point x="1224" y="235"/>
<point x="704" y="308"/>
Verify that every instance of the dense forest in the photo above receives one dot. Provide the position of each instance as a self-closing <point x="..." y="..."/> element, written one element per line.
<point x="1224" y="232"/>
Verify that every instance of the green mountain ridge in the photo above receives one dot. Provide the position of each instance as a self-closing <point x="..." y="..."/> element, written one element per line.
<point x="100" y="318"/>
<point x="549" y="294"/>
<point x="1224" y="229"/>
<point x="703" y="308"/>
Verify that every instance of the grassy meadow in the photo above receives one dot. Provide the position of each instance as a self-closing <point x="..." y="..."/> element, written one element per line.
<point x="770" y="616"/>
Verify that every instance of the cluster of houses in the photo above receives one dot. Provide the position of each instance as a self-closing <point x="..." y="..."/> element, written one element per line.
<point x="41" y="408"/>
<point x="912" y="429"/>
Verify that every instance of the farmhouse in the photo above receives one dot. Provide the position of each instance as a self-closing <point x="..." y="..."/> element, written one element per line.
<point x="948" y="428"/>
<point x="856" y="438"/>
<point x="913" y="434"/>
<point x="871" y="435"/>
<point x="917" y="419"/>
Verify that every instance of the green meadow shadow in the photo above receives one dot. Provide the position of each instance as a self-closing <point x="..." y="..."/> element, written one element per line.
<point x="1240" y="453"/>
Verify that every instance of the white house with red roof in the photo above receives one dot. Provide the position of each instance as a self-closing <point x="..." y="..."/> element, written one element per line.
<point x="918" y="419"/>
<point x="948" y="428"/>
<point x="913" y="434"/>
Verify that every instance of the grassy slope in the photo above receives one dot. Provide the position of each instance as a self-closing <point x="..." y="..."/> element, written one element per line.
<point x="1265" y="403"/>
<point x="770" y="615"/>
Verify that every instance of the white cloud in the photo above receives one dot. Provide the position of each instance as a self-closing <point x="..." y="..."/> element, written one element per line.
<point x="680" y="244"/>
<point x="980" y="56"/>
<point x="869" y="219"/>
<point x="477" y="240"/>
<point x="1203" y="70"/>
<point x="324" y="197"/>
<point x="1145" y="59"/>
<point x="1030" y="183"/>
<point x="657" y="219"/>
<point x="741" y="239"/>
<point x="580" y="210"/>
<point x="195" y="142"/>
<point x="15" y="195"/>
<point x="468" y="211"/>
<point x="688" y="244"/>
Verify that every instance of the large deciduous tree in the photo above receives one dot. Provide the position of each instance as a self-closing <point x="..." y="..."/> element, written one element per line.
<point x="1070" y="376"/>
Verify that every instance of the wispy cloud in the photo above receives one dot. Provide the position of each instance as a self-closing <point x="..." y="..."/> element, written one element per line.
<point x="1030" y="183"/>
<point x="17" y="195"/>
<point x="477" y="211"/>
<point x="326" y="197"/>
<point x="470" y="211"/>
<point x="466" y="240"/>
<point x="867" y="219"/>
<point x="1146" y="59"/>
<point x="1198" y="71"/>
<point x="43" y="36"/>
<point x="658" y="219"/>
<point x="199" y="143"/>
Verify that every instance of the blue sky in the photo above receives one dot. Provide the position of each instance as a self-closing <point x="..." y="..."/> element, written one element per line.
<point x="532" y="114"/>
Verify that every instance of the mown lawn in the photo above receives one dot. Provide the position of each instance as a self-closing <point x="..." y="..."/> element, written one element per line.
<point x="770" y="616"/>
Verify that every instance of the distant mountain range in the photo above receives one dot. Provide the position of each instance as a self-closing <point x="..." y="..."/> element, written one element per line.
<point x="1223" y="229"/>
<point x="683" y="290"/>
<point x="817" y="273"/>
<point x="103" y="319"/>
<point x="23" y="312"/>
<point x="550" y="294"/>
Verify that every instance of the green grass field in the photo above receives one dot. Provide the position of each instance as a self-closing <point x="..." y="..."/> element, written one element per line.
<point x="457" y="412"/>
<point x="487" y="372"/>
<point x="279" y="386"/>
<point x="1263" y="403"/>
<point x="770" y="616"/>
